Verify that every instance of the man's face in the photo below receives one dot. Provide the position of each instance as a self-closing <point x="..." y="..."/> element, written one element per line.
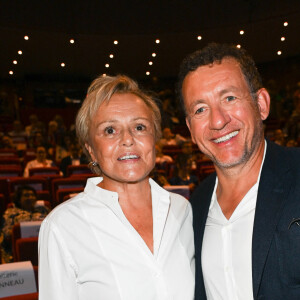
<point x="224" y="120"/>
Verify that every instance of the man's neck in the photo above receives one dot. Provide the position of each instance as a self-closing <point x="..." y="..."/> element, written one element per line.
<point x="234" y="183"/>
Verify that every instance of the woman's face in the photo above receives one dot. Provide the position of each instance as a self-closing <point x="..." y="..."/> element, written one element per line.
<point x="41" y="154"/>
<point x="27" y="200"/>
<point x="122" y="139"/>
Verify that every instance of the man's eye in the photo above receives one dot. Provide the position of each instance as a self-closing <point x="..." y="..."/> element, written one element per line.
<point x="140" y="127"/>
<point x="230" y="98"/>
<point x="199" y="110"/>
<point x="109" y="130"/>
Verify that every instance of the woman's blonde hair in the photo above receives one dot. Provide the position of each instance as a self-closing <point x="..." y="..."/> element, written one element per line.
<point x="101" y="90"/>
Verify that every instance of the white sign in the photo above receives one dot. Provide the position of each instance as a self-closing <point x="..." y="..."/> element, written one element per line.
<point x="30" y="229"/>
<point x="17" y="279"/>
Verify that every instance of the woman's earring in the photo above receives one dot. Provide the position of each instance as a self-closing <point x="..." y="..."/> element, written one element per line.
<point x="94" y="164"/>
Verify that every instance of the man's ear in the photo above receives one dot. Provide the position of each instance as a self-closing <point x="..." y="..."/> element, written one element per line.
<point x="187" y="121"/>
<point x="90" y="150"/>
<point x="263" y="101"/>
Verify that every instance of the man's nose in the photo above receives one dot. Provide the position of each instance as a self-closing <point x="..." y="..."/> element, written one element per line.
<point x="218" y="118"/>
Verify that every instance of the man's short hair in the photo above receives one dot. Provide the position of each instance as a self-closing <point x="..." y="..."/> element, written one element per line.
<point x="214" y="53"/>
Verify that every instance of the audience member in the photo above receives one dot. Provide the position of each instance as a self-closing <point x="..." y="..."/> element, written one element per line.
<point x="161" y="158"/>
<point x="40" y="161"/>
<point x="18" y="130"/>
<point x="23" y="209"/>
<point x="183" y="173"/>
<point x="75" y="158"/>
<point x="169" y="138"/>
<point x="6" y="142"/>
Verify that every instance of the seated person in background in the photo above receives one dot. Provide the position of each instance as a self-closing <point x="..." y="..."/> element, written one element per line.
<point x="18" y="130"/>
<point x="39" y="162"/>
<point x="187" y="150"/>
<point x="169" y="138"/>
<point x="74" y="159"/>
<point x="291" y="143"/>
<point x="24" y="209"/>
<point x="161" y="158"/>
<point x="183" y="173"/>
<point x="6" y="142"/>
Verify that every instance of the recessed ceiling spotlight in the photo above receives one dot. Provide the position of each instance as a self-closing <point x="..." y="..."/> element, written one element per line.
<point x="157" y="41"/>
<point x="279" y="52"/>
<point x="153" y="54"/>
<point x="238" y="46"/>
<point x="199" y="37"/>
<point x="285" y="24"/>
<point x="26" y="37"/>
<point x="103" y="75"/>
<point x="242" y="32"/>
<point x="72" y="41"/>
<point x="116" y="42"/>
<point x="147" y="73"/>
<point x="62" y="65"/>
<point x="20" y="52"/>
<point x="11" y="72"/>
<point x="106" y="65"/>
<point x="282" y="39"/>
<point x="150" y="63"/>
<point x="15" y="62"/>
<point x="111" y="56"/>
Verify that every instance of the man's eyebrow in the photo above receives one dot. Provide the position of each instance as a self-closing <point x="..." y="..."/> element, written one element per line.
<point x="228" y="90"/>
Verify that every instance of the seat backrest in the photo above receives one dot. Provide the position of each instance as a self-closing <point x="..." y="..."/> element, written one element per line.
<point x="67" y="183"/>
<point x="10" y="160"/>
<point x="38" y="183"/>
<point x="27" y="249"/>
<point x="43" y="171"/>
<point x="80" y="169"/>
<point x="33" y="296"/>
<point x="61" y="194"/>
<point x="7" y="171"/>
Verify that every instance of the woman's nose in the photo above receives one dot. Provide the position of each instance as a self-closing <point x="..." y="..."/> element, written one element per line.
<point x="127" y="138"/>
<point x="219" y="118"/>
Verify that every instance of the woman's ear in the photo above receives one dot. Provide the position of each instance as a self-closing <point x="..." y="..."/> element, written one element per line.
<point x="90" y="150"/>
<point x="263" y="101"/>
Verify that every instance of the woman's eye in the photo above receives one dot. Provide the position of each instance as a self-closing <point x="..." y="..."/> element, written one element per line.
<point x="140" y="127"/>
<point x="109" y="130"/>
<point x="230" y="98"/>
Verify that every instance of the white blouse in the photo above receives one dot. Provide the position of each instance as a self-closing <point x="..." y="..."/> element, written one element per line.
<point x="88" y="250"/>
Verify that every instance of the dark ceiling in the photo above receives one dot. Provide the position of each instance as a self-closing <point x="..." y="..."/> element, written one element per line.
<point x="136" y="25"/>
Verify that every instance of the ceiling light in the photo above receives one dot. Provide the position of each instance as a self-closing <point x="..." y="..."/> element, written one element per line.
<point x="285" y="24"/>
<point x="242" y="32"/>
<point x="238" y="46"/>
<point x="282" y="38"/>
<point x="106" y="65"/>
<point x="72" y="41"/>
<point x="279" y="52"/>
<point x="15" y="62"/>
<point x="111" y="55"/>
<point x="157" y="41"/>
<point x="20" y="52"/>
<point x="63" y="65"/>
<point x="153" y="54"/>
<point x="116" y="42"/>
<point x="147" y="73"/>
<point x="11" y="72"/>
<point x="199" y="37"/>
<point x="26" y="37"/>
<point x="103" y="75"/>
<point x="150" y="63"/>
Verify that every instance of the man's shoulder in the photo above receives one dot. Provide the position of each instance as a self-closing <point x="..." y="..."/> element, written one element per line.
<point x="203" y="190"/>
